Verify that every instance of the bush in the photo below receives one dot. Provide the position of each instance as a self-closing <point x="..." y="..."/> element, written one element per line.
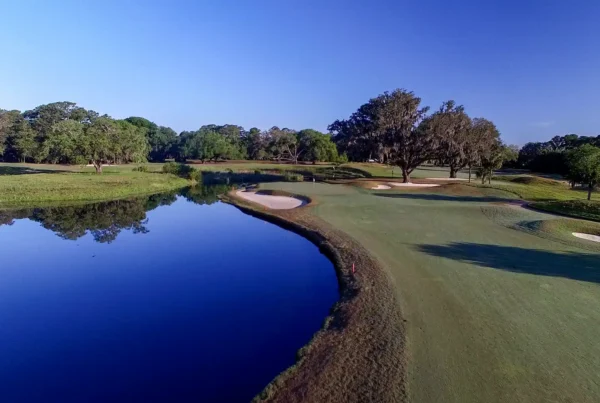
<point x="141" y="168"/>
<point x="171" y="168"/>
<point x="195" y="175"/>
<point x="293" y="177"/>
<point x="182" y="170"/>
<point x="257" y="172"/>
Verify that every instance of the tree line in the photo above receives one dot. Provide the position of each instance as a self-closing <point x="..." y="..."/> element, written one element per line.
<point x="552" y="156"/>
<point x="62" y="132"/>
<point x="575" y="157"/>
<point x="395" y="128"/>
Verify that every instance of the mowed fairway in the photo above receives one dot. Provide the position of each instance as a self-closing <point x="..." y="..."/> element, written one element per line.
<point x="494" y="314"/>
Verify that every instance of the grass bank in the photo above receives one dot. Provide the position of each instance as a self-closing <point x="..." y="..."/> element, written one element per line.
<point x="359" y="355"/>
<point x="589" y="210"/>
<point x="537" y="189"/>
<point x="37" y="189"/>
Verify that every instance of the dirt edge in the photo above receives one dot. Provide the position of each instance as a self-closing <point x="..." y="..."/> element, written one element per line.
<point x="359" y="353"/>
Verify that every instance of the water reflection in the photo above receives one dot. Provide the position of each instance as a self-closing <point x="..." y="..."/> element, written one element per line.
<point x="192" y="301"/>
<point x="104" y="221"/>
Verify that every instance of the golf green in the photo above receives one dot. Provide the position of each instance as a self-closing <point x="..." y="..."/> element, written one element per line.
<point x="495" y="310"/>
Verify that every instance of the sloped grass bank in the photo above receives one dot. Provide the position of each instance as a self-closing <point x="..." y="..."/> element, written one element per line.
<point x="589" y="210"/>
<point x="359" y="354"/>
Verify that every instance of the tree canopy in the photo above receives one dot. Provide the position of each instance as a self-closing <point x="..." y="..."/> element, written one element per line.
<point x="584" y="166"/>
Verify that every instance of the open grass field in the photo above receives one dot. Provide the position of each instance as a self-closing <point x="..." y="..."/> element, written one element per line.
<point x="36" y="189"/>
<point x="23" y="185"/>
<point x="500" y="302"/>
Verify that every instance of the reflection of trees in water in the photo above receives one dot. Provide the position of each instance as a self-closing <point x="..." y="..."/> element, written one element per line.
<point x="106" y="220"/>
<point x="204" y="194"/>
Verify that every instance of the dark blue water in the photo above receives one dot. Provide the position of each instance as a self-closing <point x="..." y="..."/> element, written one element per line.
<point x="153" y="300"/>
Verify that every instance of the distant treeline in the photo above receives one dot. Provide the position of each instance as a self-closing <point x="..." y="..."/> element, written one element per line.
<point x="552" y="156"/>
<point x="62" y="132"/>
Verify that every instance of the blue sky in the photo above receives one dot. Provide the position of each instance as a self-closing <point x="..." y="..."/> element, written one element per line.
<point x="533" y="67"/>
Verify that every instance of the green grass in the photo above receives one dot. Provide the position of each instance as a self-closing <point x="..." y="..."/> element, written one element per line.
<point x="493" y="313"/>
<point x="52" y="188"/>
<point x="422" y="172"/>
<point x="156" y="167"/>
<point x="589" y="210"/>
<point x="536" y="189"/>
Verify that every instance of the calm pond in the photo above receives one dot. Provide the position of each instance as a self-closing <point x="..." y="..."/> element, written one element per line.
<point x="167" y="298"/>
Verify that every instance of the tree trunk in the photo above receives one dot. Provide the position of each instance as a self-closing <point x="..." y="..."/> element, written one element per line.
<point x="405" y="176"/>
<point x="452" y="173"/>
<point x="469" y="173"/>
<point x="490" y="178"/>
<point x="483" y="178"/>
<point x="590" y="188"/>
<point x="98" y="166"/>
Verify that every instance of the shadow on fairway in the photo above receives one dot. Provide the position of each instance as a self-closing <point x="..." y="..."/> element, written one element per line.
<point x="573" y="265"/>
<point x="441" y="197"/>
<point x="26" y="171"/>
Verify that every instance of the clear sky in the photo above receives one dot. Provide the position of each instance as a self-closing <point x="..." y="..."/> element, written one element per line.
<point x="533" y="67"/>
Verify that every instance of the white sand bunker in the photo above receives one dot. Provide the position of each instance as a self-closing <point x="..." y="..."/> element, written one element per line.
<point x="381" y="187"/>
<point x="446" y="179"/>
<point x="589" y="237"/>
<point x="414" y="185"/>
<point x="271" y="201"/>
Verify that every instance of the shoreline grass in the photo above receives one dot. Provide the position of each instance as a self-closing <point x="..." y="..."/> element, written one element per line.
<point x="352" y="371"/>
<point x="40" y="189"/>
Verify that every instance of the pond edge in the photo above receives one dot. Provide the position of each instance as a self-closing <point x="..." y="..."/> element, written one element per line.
<point x="359" y="354"/>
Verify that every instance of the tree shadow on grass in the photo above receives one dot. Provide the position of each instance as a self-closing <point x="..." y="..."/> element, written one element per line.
<point x="572" y="265"/>
<point x="6" y="170"/>
<point x="441" y="197"/>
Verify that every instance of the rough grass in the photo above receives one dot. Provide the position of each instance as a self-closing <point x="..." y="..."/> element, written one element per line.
<point x="492" y="314"/>
<point x="51" y="188"/>
<point x="589" y="210"/>
<point x="537" y="189"/>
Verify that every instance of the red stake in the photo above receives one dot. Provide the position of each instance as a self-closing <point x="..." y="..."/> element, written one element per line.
<point x="353" y="270"/>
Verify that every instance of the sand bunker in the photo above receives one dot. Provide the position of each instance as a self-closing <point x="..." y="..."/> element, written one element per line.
<point x="414" y="185"/>
<point x="589" y="237"/>
<point x="446" y="179"/>
<point x="381" y="187"/>
<point x="272" y="202"/>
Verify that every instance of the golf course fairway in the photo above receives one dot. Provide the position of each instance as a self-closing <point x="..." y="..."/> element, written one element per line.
<point x="494" y="310"/>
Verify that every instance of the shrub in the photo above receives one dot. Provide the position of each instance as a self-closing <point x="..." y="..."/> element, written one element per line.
<point x="182" y="170"/>
<point x="257" y="172"/>
<point x="293" y="177"/>
<point x="195" y="175"/>
<point x="141" y="168"/>
<point x="171" y="168"/>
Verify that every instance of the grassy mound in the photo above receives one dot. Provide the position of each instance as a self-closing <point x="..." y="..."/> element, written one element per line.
<point x="561" y="230"/>
<point x="536" y="189"/>
<point x="535" y="181"/>
<point x="589" y="210"/>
